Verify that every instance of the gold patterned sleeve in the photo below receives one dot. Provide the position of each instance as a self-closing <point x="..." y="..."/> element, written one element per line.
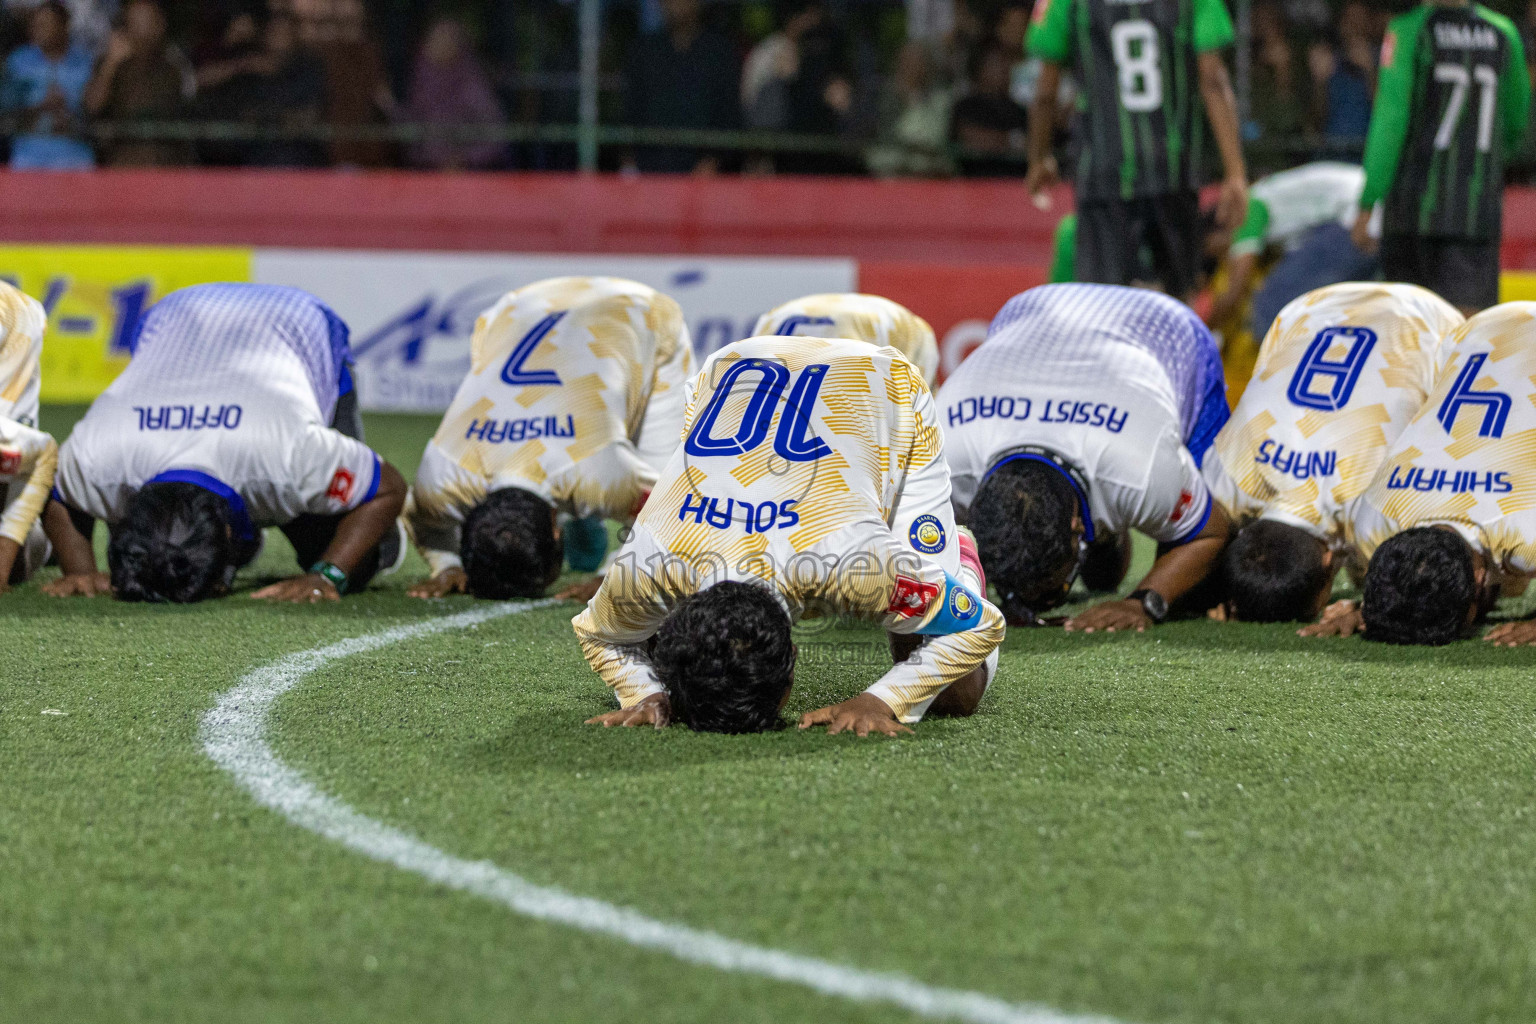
<point x="613" y="628"/>
<point x="35" y="456"/>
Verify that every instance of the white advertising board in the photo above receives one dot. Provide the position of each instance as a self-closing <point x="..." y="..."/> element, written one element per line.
<point x="411" y="314"/>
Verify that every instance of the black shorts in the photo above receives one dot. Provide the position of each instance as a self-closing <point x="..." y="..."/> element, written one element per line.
<point x="1131" y="241"/>
<point x="1463" y="273"/>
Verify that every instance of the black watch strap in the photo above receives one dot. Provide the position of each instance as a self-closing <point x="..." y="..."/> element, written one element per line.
<point x="1153" y="603"/>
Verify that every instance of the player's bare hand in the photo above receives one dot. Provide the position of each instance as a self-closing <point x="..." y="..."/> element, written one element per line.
<point x="861" y="716"/>
<point x="449" y="581"/>
<point x="655" y="710"/>
<point x="1513" y="634"/>
<point x="1042" y="176"/>
<point x="1360" y="233"/>
<point x="583" y="591"/>
<point x="1232" y="204"/>
<point x="310" y="589"/>
<point x="86" y="584"/>
<point x="1342" y="618"/>
<point x="1111" y="617"/>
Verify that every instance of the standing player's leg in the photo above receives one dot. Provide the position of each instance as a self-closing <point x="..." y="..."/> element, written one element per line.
<point x="1174" y="236"/>
<point x="1107" y="243"/>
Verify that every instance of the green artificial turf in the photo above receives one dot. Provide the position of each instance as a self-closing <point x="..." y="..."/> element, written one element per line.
<point x="1204" y="823"/>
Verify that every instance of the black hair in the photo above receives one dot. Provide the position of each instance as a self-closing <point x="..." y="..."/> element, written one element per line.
<point x="1418" y="588"/>
<point x="508" y="545"/>
<point x="1022" y="520"/>
<point x="173" y="545"/>
<point x="1273" y="573"/>
<point x="726" y="657"/>
<point x="56" y="8"/>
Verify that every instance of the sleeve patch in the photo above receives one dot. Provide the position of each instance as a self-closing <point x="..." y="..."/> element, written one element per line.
<point x="343" y="482"/>
<point x="10" y="461"/>
<point x="912" y="598"/>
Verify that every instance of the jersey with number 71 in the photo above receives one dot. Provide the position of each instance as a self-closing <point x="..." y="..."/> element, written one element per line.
<point x="1341" y="373"/>
<point x="1137" y="63"/>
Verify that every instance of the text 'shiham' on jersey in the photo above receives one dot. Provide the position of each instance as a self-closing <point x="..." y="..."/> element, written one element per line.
<point x="27" y="455"/>
<point x="813" y="467"/>
<point x="574" y="393"/>
<point x="1451" y="106"/>
<point x="870" y="318"/>
<point x="1468" y="458"/>
<point x="1339" y="376"/>
<point x="1125" y="385"/>
<point x="1140" y="99"/>
<point x="231" y="387"/>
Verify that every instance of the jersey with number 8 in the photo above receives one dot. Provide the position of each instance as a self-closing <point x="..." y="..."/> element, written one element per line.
<point x="1140" y="100"/>
<point x="1341" y="372"/>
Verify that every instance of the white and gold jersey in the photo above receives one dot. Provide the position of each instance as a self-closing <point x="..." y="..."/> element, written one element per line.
<point x="1468" y="458"/>
<point x="814" y="467"/>
<point x="1341" y="372"/>
<point x="856" y="317"/>
<point x="575" y="392"/>
<point x="28" y="457"/>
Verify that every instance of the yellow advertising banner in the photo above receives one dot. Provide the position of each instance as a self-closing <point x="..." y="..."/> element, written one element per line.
<point x="94" y="296"/>
<point x="1517" y="286"/>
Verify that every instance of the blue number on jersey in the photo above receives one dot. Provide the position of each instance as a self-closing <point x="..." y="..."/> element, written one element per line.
<point x="792" y="324"/>
<point x="1496" y="404"/>
<point x="791" y="441"/>
<point x="514" y="374"/>
<point x="1340" y="375"/>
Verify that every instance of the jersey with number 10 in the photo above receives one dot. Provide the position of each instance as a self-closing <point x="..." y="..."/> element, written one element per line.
<point x="1341" y="372"/>
<point x="1451" y="107"/>
<point x="1137" y="60"/>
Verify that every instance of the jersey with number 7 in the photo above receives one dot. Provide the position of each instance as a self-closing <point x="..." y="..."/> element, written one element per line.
<point x="1137" y="61"/>
<point x="1451" y="107"/>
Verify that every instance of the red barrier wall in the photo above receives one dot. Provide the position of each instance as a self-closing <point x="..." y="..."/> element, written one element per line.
<point x="962" y="222"/>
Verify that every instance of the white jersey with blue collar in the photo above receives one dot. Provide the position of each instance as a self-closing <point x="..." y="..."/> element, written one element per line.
<point x="1124" y="385"/>
<point x="232" y="387"/>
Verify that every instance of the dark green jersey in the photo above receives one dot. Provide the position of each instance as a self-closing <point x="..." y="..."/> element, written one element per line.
<point x="1451" y="106"/>
<point x="1136" y="62"/>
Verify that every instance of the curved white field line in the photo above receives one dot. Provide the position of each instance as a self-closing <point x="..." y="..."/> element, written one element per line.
<point x="234" y="735"/>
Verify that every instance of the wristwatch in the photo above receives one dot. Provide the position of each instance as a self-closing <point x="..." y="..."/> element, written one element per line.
<point x="1153" y="603"/>
<point x="332" y="573"/>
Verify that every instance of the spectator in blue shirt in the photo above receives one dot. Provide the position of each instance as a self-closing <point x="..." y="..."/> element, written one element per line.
<point x="44" y="84"/>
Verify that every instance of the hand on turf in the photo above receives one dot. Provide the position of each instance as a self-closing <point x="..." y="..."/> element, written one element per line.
<point x="862" y="715"/>
<point x="310" y="589"/>
<point x="87" y="584"/>
<point x="449" y="581"/>
<point x="1342" y="618"/>
<point x="1111" y="616"/>
<point x="583" y="591"/>
<point x="654" y="710"/>
<point x="1513" y="634"/>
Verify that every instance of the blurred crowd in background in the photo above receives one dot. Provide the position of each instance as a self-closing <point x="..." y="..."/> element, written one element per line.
<point x="928" y="88"/>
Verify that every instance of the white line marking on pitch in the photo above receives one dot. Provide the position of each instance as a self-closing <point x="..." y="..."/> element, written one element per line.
<point x="234" y="735"/>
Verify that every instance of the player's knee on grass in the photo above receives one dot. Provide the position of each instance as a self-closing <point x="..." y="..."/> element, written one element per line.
<point x="510" y="546"/>
<point x="174" y="544"/>
<point x="1275" y="572"/>
<point x="1022" y="518"/>
<point x="1420" y="588"/>
<point x="727" y="659"/>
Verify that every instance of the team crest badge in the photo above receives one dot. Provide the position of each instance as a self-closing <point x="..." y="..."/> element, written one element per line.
<point x="962" y="605"/>
<point x="927" y="535"/>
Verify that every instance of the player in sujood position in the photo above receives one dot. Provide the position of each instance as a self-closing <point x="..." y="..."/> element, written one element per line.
<point x="1145" y="67"/>
<point x="811" y="482"/>
<point x="857" y="317"/>
<point x="1452" y="101"/>
<point x="1084" y="415"/>
<point x="1450" y="518"/>
<point x="27" y="455"/>
<point x="235" y="413"/>
<point x="573" y="404"/>
<point x="1340" y="375"/>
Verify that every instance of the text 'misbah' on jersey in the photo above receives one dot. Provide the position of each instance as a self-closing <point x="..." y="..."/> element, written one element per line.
<point x="1468" y="457"/>
<point x="870" y="318"/>
<point x="231" y="386"/>
<point x="1124" y="384"/>
<point x="1340" y="374"/>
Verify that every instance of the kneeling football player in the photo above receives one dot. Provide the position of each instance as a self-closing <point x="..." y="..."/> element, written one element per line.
<point x="573" y="403"/>
<point x="811" y="482"/>
<point x="27" y="455"/>
<point x="857" y="317"/>
<point x="235" y="413"/>
<point x="1083" y="416"/>
<point x="1339" y="376"/>
<point x="1450" y="518"/>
